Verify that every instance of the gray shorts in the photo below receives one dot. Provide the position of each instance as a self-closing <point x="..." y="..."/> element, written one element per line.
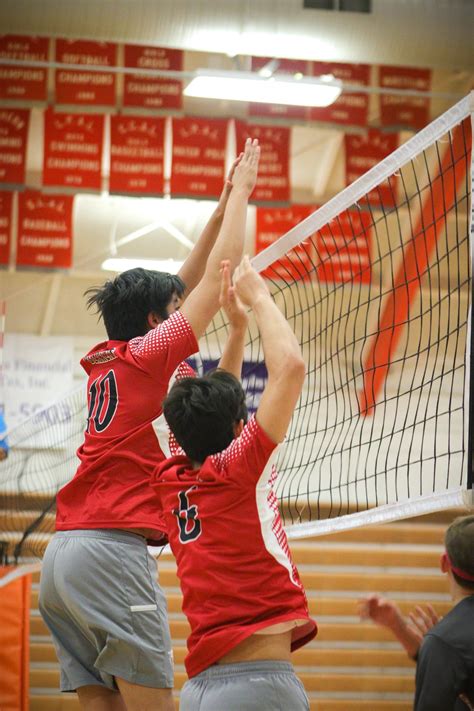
<point x="253" y="686"/>
<point x="107" y="614"/>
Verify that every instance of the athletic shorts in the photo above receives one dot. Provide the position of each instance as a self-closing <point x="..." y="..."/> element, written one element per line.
<point x="107" y="614"/>
<point x="253" y="686"/>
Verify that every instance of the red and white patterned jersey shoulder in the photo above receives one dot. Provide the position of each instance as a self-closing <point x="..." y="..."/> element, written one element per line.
<point x="126" y="385"/>
<point x="234" y="564"/>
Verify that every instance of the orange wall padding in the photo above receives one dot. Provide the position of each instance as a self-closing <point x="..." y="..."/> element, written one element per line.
<point x="14" y="642"/>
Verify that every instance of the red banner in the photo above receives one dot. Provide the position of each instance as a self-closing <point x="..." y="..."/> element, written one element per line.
<point x="363" y="151"/>
<point x="44" y="230"/>
<point x="6" y="207"/>
<point x="272" y="223"/>
<point x="136" y="155"/>
<point x="85" y="87"/>
<point x="23" y="83"/>
<point x="273" y="181"/>
<point x="344" y="248"/>
<point x="285" y="66"/>
<point x="413" y="111"/>
<point x="350" y="108"/>
<point x="199" y="147"/>
<point x="152" y="92"/>
<point x="73" y="150"/>
<point x="13" y="136"/>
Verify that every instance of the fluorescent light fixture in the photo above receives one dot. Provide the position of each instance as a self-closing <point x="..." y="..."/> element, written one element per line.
<point x="117" y="264"/>
<point x="279" y="89"/>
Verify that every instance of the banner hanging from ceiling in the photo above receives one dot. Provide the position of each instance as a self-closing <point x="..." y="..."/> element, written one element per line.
<point x="6" y="218"/>
<point x="199" y="148"/>
<point x="136" y="155"/>
<point x="24" y="83"/>
<point x="407" y="111"/>
<point x="91" y="88"/>
<point x="150" y="92"/>
<point x="350" y="109"/>
<point x="73" y="145"/>
<point x="363" y="151"/>
<point x="14" y="125"/>
<point x="44" y="230"/>
<point x="271" y="224"/>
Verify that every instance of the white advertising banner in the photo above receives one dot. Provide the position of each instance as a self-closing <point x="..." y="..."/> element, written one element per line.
<point x="38" y="370"/>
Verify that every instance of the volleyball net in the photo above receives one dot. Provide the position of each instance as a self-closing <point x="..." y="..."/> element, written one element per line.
<point x="377" y="285"/>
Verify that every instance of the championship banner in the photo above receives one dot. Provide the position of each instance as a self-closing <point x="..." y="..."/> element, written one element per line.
<point x="285" y="66"/>
<point x="363" y="151"/>
<point x="344" y="249"/>
<point x="412" y="112"/>
<point x="199" y="147"/>
<point x="152" y="92"/>
<point x="350" y="109"/>
<point x="136" y="155"/>
<point x="13" y="137"/>
<point x="272" y="223"/>
<point x="273" y="181"/>
<point x="73" y="150"/>
<point x="44" y="230"/>
<point x="82" y="86"/>
<point x="6" y="210"/>
<point x="23" y="83"/>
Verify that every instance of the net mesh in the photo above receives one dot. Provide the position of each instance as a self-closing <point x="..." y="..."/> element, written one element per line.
<point x="377" y="286"/>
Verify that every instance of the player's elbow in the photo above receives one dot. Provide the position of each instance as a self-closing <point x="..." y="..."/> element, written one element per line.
<point x="295" y="367"/>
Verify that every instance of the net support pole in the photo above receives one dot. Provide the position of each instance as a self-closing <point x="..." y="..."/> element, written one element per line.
<point x="470" y="361"/>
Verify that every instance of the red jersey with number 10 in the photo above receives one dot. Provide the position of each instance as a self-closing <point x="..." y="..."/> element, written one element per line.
<point x="234" y="563"/>
<point x="126" y="436"/>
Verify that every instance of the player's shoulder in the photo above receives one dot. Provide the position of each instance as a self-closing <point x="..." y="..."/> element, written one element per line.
<point x="251" y="438"/>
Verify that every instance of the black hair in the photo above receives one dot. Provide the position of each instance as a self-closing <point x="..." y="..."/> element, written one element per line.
<point x="202" y="412"/>
<point x="459" y="542"/>
<point x="125" y="302"/>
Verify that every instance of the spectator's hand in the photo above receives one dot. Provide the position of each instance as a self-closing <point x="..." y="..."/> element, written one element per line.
<point x="229" y="301"/>
<point x="422" y="619"/>
<point x="245" y="172"/>
<point x="3" y="454"/>
<point x="380" y="610"/>
<point x="249" y="285"/>
<point x="226" y="190"/>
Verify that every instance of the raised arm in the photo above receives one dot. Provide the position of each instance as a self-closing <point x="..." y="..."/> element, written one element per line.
<point x="193" y="268"/>
<point x="203" y="302"/>
<point x="233" y="354"/>
<point x="283" y="358"/>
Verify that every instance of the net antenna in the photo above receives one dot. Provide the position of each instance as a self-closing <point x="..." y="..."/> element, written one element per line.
<point x="377" y="284"/>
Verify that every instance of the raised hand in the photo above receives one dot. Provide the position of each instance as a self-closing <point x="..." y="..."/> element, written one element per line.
<point x="248" y="284"/>
<point x="380" y="610"/>
<point x="245" y="172"/>
<point x="226" y="190"/>
<point x="229" y="301"/>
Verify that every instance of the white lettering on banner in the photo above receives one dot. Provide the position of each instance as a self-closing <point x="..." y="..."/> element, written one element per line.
<point x="86" y="78"/>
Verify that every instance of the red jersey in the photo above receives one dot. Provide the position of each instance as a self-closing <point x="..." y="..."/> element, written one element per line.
<point x="125" y="436"/>
<point x="234" y="564"/>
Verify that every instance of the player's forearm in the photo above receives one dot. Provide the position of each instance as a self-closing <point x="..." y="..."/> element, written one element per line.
<point x="405" y="635"/>
<point x="230" y="241"/>
<point x="193" y="268"/>
<point x="233" y="354"/>
<point x="281" y="349"/>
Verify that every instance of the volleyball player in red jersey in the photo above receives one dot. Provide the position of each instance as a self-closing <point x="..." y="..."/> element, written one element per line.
<point x="99" y="595"/>
<point x="241" y="591"/>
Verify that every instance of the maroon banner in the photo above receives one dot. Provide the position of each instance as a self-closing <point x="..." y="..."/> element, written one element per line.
<point x="272" y="223"/>
<point x="73" y="150"/>
<point x="344" y="248"/>
<point x="410" y="111"/>
<point x="199" y="147"/>
<point x="285" y="66"/>
<point x="273" y="181"/>
<point x="350" y="108"/>
<point x="13" y="137"/>
<point x="23" y="83"/>
<point x="85" y="87"/>
<point x="44" y="230"/>
<point x="136" y="155"/>
<point x="153" y="92"/>
<point x="363" y="151"/>
<point x="6" y="208"/>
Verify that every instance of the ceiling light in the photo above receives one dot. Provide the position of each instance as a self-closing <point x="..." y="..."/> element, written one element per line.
<point x="279" y="89"/>
<point x="116" y="264"/>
